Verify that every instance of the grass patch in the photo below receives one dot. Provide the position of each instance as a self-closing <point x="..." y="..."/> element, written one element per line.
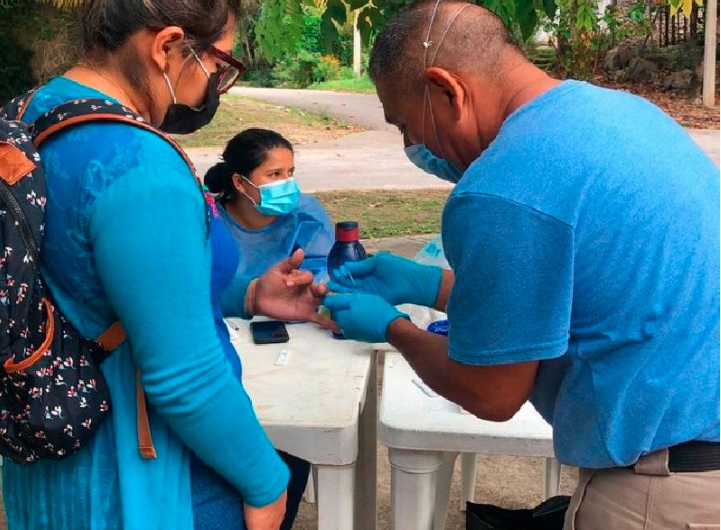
<point x="237" y="113"/>
<point x="361" y="85"/>
<point x="387" y="213"/>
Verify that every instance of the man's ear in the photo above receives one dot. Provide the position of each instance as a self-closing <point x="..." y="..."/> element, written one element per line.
<point x="452" y="88"/>
<point x="162" y="43"/>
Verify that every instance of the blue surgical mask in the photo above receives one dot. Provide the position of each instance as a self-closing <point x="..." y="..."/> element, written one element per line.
<point x="276" y="198"/>
<point x="423" y="159"/>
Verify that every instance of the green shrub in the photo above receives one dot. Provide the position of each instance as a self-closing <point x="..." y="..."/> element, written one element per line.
<point x="327" y="69"/>
<point x="295" y="71"/>
<point x="16" y="75"/>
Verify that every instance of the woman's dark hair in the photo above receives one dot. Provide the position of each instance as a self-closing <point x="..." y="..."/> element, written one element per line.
<point x="243" y="154"/>
<point x="107" y="24"/>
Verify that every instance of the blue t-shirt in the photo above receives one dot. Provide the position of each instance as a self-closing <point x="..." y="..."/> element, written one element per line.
<point x="308" y="227"/>
<point x="587" y="237"/>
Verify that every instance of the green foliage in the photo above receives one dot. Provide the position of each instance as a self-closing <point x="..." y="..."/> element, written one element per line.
<point x="295" y="70"/>
<point x="582" y="36"/>
<point x="16" y="75"/>
<point x="520" y="16"/>
<point x="347" y="83"/>
<point x="279" y="26"/>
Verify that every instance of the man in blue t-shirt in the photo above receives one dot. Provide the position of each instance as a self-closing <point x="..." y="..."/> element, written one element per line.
<point x="583" y="237"/>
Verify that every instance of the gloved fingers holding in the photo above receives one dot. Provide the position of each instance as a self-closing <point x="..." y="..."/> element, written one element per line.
<point x="363" y="317"/>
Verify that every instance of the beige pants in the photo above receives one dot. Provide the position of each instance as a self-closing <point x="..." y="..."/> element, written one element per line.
<point x="647" y="497"/>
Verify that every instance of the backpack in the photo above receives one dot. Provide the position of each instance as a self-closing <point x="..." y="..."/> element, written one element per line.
<point x="53" y="395"/>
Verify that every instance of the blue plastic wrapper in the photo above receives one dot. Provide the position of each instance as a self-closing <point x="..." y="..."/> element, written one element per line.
<point x="439" y="327"/>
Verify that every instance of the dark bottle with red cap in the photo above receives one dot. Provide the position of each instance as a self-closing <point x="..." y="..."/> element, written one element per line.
<point x="346" y="248"/>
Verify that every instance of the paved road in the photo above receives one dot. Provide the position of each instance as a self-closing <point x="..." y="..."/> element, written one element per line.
<point x="372" y="159"/>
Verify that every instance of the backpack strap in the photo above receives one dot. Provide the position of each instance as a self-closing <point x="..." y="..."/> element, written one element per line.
<point x="82" y="111"/>
<point x="108" y="340"/>
<point x="16" y="107"/>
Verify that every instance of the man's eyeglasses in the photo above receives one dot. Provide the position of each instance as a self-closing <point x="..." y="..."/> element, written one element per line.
<point x="230" y="72"/>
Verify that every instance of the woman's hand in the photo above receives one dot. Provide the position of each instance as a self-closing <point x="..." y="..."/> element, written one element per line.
<point x="286" y="293"/>
<point x="267" y="517"/>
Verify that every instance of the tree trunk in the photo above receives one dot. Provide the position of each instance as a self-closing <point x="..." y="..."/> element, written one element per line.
<point x="709" y="53"/>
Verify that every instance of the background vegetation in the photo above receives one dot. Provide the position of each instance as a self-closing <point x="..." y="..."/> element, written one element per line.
<point x="309" y="43"/>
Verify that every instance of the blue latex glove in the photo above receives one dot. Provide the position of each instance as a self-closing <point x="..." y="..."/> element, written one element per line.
<point x="397" y="280"/>
<point x="363" y="317"/>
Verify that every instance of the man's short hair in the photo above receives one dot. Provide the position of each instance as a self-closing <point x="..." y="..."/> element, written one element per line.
<point x="472" y="44"/>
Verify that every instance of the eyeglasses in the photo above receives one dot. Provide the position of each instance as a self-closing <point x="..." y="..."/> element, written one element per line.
<point x="229" y="73"/>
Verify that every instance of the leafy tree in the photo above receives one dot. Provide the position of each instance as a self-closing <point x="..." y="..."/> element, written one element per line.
<point x="521" y="15"/>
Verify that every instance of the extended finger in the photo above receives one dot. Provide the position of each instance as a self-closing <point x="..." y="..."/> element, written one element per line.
<point x="296" y="278"/>
<point x="291" y="263"/>
<point x="319" y="290"/>
<point x="337" y="302"/>
<point x="359" y="268"/>
<point x="324" y="322"/>
<point x="338" y="287"/>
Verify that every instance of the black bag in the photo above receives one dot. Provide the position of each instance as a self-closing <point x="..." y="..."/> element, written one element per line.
<point x="549" y="515"/>
<point x="53" y="395"/>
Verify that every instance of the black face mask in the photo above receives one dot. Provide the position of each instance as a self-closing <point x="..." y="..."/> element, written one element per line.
<point x="184" y="119"/>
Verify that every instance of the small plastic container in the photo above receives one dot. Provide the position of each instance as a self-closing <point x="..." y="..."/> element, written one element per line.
<point x="439" y="327"/>
<point x="347" y="247"/>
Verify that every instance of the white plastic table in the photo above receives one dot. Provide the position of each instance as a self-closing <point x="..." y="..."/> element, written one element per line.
<point x="421" y="431"/>
<point x="321" y="406"/>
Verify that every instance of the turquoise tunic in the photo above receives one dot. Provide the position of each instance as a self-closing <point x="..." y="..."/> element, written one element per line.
<point x="127" y="238"/>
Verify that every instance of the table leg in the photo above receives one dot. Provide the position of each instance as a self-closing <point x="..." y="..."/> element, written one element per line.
<point x="443" y="490"/>
<point x="335" y="497"/>
<point x="309" y="493"/>
<point x="469" y="469"/>
<point x="413" y="488"/>
<point x="551" y="477"/>
<point x="366" y="464"/>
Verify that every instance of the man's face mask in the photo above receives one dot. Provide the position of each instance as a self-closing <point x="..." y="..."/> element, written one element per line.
<point x="423" y="159"/>
<point x="276" y="198"/>
<point x="184" y="119"/>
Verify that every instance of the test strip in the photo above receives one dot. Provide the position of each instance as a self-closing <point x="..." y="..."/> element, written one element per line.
<point x="283" y="358"/>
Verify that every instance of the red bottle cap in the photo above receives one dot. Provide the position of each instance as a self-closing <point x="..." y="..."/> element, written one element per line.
<point x="347" y="231"/>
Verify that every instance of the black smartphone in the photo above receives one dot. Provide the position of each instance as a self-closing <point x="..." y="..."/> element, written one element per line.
<point x="269" y="332"/>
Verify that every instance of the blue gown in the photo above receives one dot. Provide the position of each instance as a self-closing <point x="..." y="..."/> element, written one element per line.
<point x="308" y="227"/>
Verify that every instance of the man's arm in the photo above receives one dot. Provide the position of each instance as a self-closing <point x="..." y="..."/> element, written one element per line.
<point x="444" y="291"/>
<point x="493" y="393"/>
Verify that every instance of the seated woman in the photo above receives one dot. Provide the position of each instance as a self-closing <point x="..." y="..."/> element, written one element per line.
<point x="263" y="207"/>
<point x="260" y="202"/>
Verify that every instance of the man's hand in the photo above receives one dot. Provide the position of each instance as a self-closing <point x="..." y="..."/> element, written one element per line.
<point x="397" y="280"/>
<point x="286" y="293"/>
<point x="268" y="517"/>
<point x="363" y="317"/>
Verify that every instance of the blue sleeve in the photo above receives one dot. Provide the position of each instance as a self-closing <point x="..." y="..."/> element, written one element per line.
<point x="232" y="300"/>
<point x="149" y="236"/>
<point x="513" y="267"/>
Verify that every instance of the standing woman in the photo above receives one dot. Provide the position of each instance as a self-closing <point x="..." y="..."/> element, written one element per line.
<point x="127" y="238"/>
